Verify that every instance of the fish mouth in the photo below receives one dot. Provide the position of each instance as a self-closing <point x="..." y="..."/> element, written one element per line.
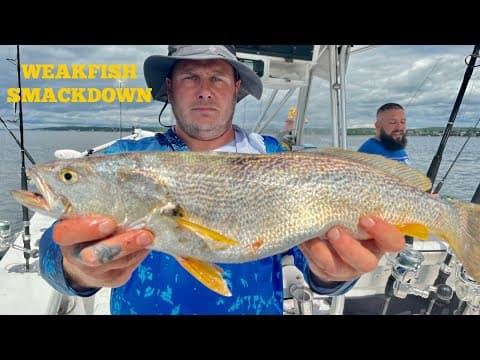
<point x="47" y="201"/>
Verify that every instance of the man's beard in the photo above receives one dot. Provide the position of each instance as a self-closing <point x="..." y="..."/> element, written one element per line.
<point x="391" y="143"/>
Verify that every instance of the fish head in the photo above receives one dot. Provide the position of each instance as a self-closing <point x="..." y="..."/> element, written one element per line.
<point x="71" y="187"/>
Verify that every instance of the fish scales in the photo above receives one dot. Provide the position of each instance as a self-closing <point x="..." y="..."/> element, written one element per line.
<point x="265" y="203"/>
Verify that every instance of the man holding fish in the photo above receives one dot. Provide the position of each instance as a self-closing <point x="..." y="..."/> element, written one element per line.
<point x="81" y="254"/>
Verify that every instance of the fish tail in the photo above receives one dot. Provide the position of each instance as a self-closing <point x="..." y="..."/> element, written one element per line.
<point x="465" y="237"/>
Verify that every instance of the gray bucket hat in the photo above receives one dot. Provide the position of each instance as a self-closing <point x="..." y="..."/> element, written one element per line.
<point x="157" y="67"/>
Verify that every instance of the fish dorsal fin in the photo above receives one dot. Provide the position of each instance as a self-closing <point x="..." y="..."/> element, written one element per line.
<point x="401" y="171"/>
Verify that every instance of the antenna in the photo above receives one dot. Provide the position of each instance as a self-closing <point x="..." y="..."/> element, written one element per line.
<point x="120" y="85"/>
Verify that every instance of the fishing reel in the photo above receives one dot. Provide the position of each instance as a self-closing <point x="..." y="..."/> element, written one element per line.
<point x="5" y="233"/>
<point x="405" y="271"/>
<point x="7" y="241"/>
<point x="296" y="288"/>
<point x="299" y="299"/>
<point x="467" y="291"/>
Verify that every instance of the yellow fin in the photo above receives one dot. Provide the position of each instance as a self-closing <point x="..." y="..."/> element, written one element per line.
<point x="205" y="233"/>
<point x="208" y="274"/>
<point x="415" y="230"/>
<point x="401" y="171"/>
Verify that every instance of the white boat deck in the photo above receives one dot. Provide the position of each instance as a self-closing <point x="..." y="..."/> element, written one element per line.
<point x="26" y="293"/>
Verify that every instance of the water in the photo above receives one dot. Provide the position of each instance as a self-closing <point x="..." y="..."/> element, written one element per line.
<point x="464" y="177"/>
<point x="41" y="145"/>
<point x="461" y="182"/>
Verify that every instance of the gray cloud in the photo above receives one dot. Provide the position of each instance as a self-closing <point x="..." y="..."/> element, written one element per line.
<point x="425" y="79"/>
<point x="80" y="114"/>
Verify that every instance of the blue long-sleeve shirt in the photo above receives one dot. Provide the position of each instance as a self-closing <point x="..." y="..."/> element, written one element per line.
<point x="160" y="285"/>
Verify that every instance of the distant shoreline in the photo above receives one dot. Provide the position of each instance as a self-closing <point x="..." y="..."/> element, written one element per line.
<point x="431" y="131"/>
<point x="94" y="128"/>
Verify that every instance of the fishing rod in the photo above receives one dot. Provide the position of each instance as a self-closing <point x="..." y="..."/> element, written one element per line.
<point x="446" y="269"/>
<point x="440" y="183"/>
<point x="399" y="275"/>
<point x="476" y="196"/>
<point x="26" y="218"/>
<point x="18" y="142"/>
<point x="446" y="294"/>
<point x="471" y="286"/>
<point x="437" y="159"/>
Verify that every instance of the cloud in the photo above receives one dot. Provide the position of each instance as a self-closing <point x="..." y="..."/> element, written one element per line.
<point x="423" y="78"/>
<point x="79" y="114"/>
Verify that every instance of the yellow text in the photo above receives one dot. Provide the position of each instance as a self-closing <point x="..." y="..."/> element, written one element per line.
<point x="79" y="71"/>
<point x="79" y="95"/>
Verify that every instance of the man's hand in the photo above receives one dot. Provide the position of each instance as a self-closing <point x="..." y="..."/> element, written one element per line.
<point x="95" y="256"/>
<point x="342" y="257"/>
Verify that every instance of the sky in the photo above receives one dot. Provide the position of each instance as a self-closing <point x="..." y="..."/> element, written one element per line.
<point x="425" y="79"/>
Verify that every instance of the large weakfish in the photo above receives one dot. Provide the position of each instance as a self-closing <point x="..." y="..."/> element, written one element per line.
<point x="207" y="208"/>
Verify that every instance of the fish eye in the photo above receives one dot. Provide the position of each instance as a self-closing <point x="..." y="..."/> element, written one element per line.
<point x="68" y="176"/>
